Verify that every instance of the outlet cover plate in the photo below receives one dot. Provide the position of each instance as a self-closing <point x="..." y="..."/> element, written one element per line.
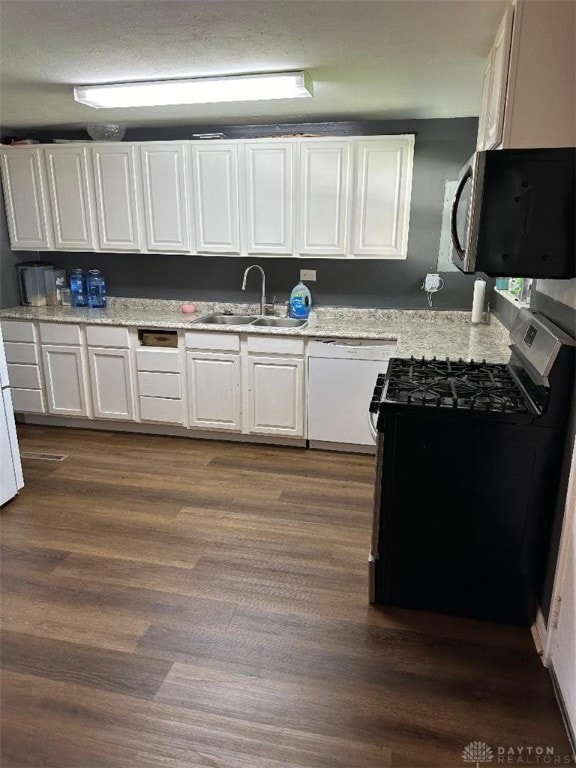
<point x="308" y="274"/>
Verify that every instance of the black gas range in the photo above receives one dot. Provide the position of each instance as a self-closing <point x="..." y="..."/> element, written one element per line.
<point x="468" y="462"/>
<point x="469" y="386"/>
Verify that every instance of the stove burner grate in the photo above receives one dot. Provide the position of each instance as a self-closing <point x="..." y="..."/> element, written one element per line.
<point x="458" y="384"/>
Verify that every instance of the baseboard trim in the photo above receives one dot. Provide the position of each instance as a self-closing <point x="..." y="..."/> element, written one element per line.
<point x="325" y="445"/>
<point x="540" y="636"/>
<point x="159" y="429"/>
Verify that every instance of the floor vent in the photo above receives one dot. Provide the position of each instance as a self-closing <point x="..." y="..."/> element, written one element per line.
<point x="43" y="456"/>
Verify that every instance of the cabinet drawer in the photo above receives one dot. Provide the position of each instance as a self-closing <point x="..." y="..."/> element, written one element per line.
<point x="275" y="346"/>
<point x="28" y="401"/>
<point x="105" y="336"/>
<point x="58" y="333"/>
<point x="160" y="409"/>
<point x="18" y="352"/>
<point x="18" y="330"/>
<point x="167" y="360"/>
<point x="159" y="384"/>
<point x="24" y="376"/>
<point x="229" y="342"/>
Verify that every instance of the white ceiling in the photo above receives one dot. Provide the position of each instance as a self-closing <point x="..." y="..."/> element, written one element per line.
<point x="369" y="59"/>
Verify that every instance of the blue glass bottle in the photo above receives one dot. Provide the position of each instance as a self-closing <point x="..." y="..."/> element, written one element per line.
<point x="96" y="289"/>
<point x="78" y="288"/>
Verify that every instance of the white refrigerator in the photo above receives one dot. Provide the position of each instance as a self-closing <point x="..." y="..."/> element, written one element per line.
<point x="11" y="478"/>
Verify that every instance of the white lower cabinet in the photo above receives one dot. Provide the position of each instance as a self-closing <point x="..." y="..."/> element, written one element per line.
<point x="22" y="357"/>
<point x="276" y="396"/>
<point x="160" y="385"/>
<point x="214" y="390"/>
<point x="229" y="382"/>
<point x="112" y="383"/>
<point x="65" y="378"/>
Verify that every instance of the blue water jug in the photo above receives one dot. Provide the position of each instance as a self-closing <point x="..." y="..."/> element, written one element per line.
<point x="96" y="285"/>
<point x="78" y="288"/>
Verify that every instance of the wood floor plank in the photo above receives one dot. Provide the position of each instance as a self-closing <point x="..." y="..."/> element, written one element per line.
<point x="181" y="603"/>
<point x="84" y="665"/>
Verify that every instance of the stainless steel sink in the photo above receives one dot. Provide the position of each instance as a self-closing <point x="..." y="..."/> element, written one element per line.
<point x="279" y="322"/>
<point x="220" y="319"/>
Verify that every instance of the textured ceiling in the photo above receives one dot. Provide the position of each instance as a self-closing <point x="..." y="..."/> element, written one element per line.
<point x="376" y="59"/>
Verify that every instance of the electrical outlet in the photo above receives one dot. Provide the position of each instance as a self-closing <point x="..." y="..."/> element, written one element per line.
<point x="432" y="283"/>
<point x="308" y="274"/>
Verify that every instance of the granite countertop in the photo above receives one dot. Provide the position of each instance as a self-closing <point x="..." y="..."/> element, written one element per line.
<point x="417" y="332"/>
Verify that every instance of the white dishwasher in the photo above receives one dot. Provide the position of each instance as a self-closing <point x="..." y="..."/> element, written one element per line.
<point x="341" y="378"/>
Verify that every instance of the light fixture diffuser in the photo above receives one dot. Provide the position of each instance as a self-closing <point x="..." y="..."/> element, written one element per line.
<point x="276" y="85"/>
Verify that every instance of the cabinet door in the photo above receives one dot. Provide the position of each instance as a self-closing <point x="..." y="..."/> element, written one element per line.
<point x="25" y="196"/>
<point x="112" y="383"/>
<point x="116" y="202"/>
<point x="269" y="171"/>
<point x="323" y="195"/>
<point x="68" y="181"/>
<point x="165" y="197"/>
<point x="276" y="396"/>
<point x="382" y="198"/>
<point x="483" y="117"/>
<point x="498" y="80"/>
<point x="216" y="205"/>
<point x="214" y="390"/>
<point x="65" y="379"/>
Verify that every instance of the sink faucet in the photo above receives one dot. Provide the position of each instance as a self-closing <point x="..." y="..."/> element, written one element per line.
<point x="263" y="305"/>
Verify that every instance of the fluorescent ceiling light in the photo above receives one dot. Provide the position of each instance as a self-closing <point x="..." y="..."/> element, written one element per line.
<point x="277" y="85"/>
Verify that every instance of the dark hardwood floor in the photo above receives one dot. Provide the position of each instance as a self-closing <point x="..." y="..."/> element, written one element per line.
<point x="175" y="603"/>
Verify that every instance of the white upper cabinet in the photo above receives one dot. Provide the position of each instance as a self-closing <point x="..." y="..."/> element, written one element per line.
<point x="216" y="202"/>
<point x="27" y="208"/>
<point x="164" y="189"/>
<point x="323" y="197"/>
<point x="70" y="194"/>
<point x="494" y="88"/>
<point x="217" y="197"/>
<point x="116" y="196"/>
<point x="383" y="186"/>
<point x="269" y="174"/>
<point x="530" y="80"/>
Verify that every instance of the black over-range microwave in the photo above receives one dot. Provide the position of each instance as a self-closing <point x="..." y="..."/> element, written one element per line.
<point x="513" y="213"/>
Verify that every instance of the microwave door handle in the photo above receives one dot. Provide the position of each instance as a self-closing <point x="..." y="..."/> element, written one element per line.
<point x="453" y="228"/>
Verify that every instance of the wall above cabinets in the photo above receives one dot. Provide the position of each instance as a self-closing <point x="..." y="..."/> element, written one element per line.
<point x="321" y="197"/>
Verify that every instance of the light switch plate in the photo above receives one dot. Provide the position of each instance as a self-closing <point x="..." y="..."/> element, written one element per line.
<point x="308" y="274"/>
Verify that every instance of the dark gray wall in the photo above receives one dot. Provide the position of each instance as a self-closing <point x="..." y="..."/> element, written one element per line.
<point x="442" y="147"/>
<point x="9" y="293"/>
